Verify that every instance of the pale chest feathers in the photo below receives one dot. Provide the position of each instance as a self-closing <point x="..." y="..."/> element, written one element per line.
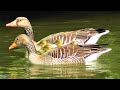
<point x="40" y="59"/>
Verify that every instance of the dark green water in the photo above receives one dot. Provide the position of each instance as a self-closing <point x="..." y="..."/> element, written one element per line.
<point x="13" y="65"/>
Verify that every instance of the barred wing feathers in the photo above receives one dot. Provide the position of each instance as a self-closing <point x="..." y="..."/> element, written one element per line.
<point x="73" y="53"/>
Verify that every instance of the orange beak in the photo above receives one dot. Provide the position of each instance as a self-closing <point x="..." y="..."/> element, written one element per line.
<point x="12" y="24"/>
<point x="13" y="45"/>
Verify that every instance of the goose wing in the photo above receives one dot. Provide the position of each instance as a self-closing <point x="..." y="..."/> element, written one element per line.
<point x="80" y="36"/>
<point x="73" y="53"/>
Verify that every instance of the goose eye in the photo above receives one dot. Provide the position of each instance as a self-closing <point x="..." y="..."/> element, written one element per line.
<point x="19" y="20"/>
<point x="17" y="39"/>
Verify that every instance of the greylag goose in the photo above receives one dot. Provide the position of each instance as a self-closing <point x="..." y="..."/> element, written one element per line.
<point x="81" y="36"/>
<point x="68" y="54"/>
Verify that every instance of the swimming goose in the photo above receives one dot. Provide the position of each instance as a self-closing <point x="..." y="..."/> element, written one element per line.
<point x="81" y="36"/>
<point x="68" y="54"/>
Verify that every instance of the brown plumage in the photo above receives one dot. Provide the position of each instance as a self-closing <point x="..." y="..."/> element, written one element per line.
<point x="67" y="54"/>
<point x="80" y="36"/>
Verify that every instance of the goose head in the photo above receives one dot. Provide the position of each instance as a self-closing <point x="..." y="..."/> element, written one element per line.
<point x="19" y="22"/>
<point x="20" y="40"/>
<point x="24" y="23"/>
